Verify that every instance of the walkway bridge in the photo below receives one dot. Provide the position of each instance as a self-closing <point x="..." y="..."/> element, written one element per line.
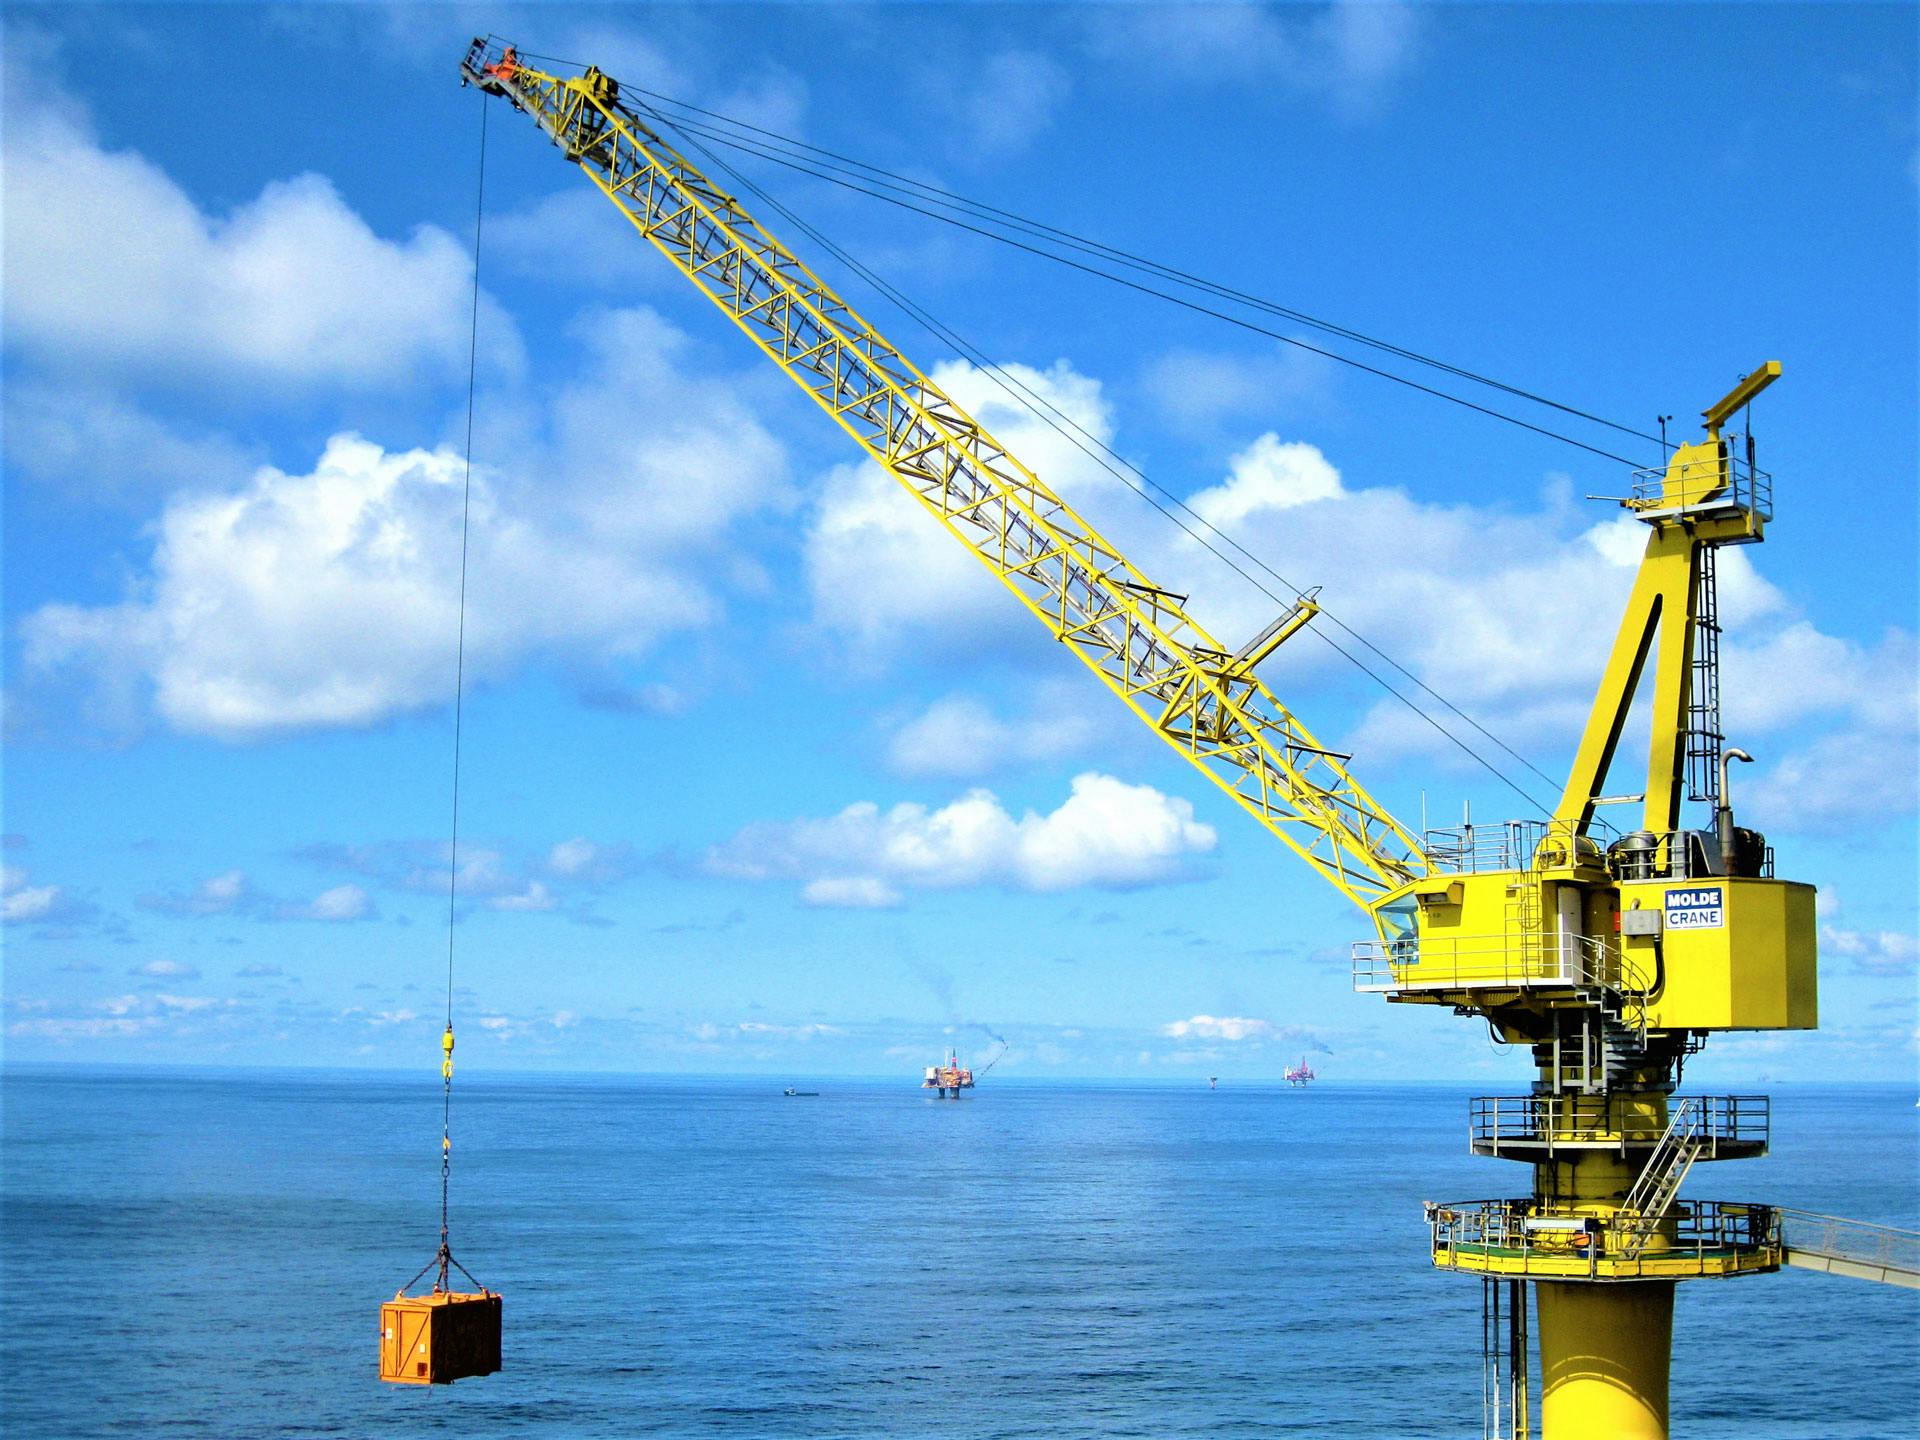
<point x="1850" y="1247"/>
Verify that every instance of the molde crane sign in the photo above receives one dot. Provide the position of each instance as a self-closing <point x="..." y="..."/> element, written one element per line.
<point x="1696" y="908"/>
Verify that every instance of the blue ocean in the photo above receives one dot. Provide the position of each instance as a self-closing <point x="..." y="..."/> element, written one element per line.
<point x="205" y="1252"/>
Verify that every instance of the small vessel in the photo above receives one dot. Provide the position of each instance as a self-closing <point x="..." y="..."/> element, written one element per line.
<point x="949" y="1079"/>
<point x="802" y="1093"/>
<point x="1213" y="1082"/>
<point x="1301" y="1074"/>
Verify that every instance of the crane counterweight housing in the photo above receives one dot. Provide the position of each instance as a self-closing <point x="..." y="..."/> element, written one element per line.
<point x="1610" y="955"/>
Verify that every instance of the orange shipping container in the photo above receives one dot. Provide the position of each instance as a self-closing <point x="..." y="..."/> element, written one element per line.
<point x="439" y="1338"/>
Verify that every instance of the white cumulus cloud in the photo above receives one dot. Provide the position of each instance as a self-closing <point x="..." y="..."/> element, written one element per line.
<point x="20" y="902"/>
<point x="1877" y="952"/>
<point x="1105" y="833"/>
<point x="1348" y="53"/>
<point x="342" y="902"/>
<point x="1218" y="1027"/>
<point x="165" y="970"/>
<point x="1269" y="475"/>
<point x="960" y="736"/>
<point x="532" y="900"/>
<point x="111" y="265"/>
<point x="329" y="598"/>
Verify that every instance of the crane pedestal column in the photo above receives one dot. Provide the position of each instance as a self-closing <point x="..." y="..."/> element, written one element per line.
<point x="1604" y="1360"/>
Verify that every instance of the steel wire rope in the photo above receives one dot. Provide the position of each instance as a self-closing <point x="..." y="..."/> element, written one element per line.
<point x="1215" y="530"/>
<point x="1037" y="403"/>
<point x="1050" y="415"/>
<point x="1171" y="298"/>
<point x="680" y="124"/>
<point x="1040" y="229"/>
<point x="1034" y="402"/>
<point x="982" y="209"/>
<point x="445" y="1256"/>
<point x="1137" y="262"/>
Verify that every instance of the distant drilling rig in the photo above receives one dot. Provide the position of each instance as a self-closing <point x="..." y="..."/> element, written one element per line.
<point x="948" y="1079"/>
<point x="1611" y="956"/>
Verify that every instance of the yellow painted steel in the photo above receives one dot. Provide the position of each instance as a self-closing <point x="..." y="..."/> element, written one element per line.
<point x="1756" y="971"/>
<point x="1717" y="414"/>
<point x="1571" y="1267"/>
<point x="1662" y="591"/>
<point x="1555" y="939"/>
<point x="1197" y="695"/>
<point x="1604" y="1360"/>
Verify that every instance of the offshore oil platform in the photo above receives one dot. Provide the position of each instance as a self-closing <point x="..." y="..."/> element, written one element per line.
<point x="1299" y="1075"/>
<point x="948" y="1079"/>
<point x="1607" y="955"/>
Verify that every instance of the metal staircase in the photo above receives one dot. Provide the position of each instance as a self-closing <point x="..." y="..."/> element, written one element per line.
<point x="1623" y="1004"/>
<point x="1652" y="1194"/>
<point x="1575" y="1057"/>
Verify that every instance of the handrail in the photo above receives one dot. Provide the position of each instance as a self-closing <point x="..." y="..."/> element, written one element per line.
<point x="1861" y="1247"/>
<point x="1510" y="845"/>
<point x="1575" y="1119"/>
<point x="1728" y="481"/>
<point x="1515" y="958"/>
<point x="1659" y="1180"/>
<point x="1683" y="854"/>
<point x="1696" y="1228"/>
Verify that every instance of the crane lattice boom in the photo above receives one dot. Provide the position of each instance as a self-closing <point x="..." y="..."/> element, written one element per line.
<point x="1203" y="699"/>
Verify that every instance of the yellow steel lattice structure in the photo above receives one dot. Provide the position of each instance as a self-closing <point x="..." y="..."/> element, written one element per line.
<point x="1202" y="698"/>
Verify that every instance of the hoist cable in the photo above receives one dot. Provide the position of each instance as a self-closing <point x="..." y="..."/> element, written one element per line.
<point x="834" y="160"/>
<point x="1236" y="320"/>
<point x="445" y="1257"/>
<point x="1054" y="418"/>
<point x="1044" y="410"/>
<point x="1041" y="230"/>
<point x="920" y="189"/>
<point x="1032" y="399"/>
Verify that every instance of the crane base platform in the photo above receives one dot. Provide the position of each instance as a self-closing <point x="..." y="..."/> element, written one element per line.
<point x="1696" y="1239"/>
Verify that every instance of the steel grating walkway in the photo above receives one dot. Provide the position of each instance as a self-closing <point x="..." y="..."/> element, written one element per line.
<point x="1851" y="1247"/>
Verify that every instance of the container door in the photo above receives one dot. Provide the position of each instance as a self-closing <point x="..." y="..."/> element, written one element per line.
<point x="389" y="1342"/>
<point x="412" y="1343"/>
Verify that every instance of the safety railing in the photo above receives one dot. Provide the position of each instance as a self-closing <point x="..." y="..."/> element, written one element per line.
<point x="1734" y="1124"/>
<point x="1660" y="1178"/>
<point x="1851" y="1247"/>
<point x="1685" y="855"/>
<point x="1697" y="1235"/>
<point x="1524" y="958"/>
<point x="1512" y="845"/>
<point x="1727" y="481"/>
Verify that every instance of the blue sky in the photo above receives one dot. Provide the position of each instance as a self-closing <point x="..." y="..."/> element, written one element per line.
<point x="760" y="773"/>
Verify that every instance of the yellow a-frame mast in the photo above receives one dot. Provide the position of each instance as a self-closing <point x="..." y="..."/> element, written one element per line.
<point x="1705" y="498"/>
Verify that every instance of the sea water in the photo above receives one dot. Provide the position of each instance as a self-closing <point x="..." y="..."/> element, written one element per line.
<point x="204" y="1253"/>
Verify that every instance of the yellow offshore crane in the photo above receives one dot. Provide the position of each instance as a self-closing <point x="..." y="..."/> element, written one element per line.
<point x="1611" y="959"/>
